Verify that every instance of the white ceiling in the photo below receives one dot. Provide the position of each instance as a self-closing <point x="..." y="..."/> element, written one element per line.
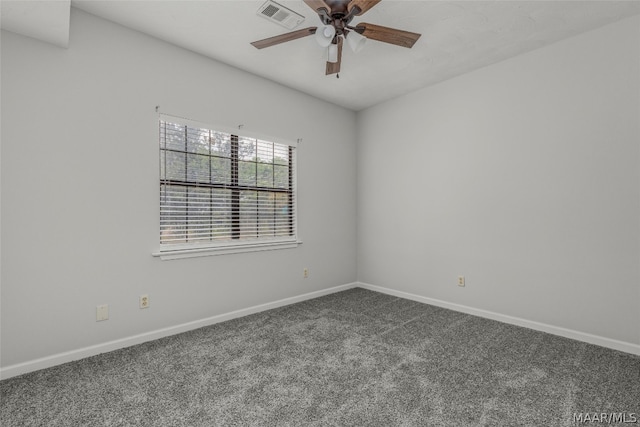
<point x="457" y="37"/>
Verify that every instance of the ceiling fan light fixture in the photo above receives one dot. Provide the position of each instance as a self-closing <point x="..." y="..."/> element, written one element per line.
<point x="356" y="41"/>
<point x="335" y="16"/>
<point x="325" y="34"/>
<point x="332" y="53"/>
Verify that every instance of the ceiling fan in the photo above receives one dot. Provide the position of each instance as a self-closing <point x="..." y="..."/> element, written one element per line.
<point x="336" y="15"/>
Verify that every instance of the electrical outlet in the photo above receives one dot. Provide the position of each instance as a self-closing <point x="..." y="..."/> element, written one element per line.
<point x="102" y="312"/>
<point x="305" y="273"/>
<point x="460" y="280"/>
<point x="144" y="301"/>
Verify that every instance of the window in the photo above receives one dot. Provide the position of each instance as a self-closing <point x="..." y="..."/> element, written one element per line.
<point x="223" y="191"/>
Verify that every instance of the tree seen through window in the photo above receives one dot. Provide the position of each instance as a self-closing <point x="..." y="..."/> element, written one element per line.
<point x="216" y="186"/>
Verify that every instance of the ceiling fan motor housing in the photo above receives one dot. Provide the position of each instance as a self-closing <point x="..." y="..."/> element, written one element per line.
<point x="340" y="16"/>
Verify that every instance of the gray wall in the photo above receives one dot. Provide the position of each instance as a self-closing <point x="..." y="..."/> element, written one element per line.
<point x="524" y="177"/>
<point x="80" y="192"/>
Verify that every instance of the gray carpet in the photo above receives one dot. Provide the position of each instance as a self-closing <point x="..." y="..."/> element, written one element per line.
<point x="354" y="358"/>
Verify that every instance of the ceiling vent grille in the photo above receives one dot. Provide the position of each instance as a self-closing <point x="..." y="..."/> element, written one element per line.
<point x="280" y="15"/>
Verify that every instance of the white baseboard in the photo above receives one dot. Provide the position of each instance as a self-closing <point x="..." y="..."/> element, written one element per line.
<point x="69" y="356"/>
<point x="58" y="359"/>
<point x="543" y="327"/>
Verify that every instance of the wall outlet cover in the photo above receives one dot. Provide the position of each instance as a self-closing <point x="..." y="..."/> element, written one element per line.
<point x="102" y="312"/>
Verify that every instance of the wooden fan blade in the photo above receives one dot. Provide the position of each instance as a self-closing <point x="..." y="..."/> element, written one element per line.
<point x="261" y="44"/>
<point x="363" y="5"/>
<point x="388" y="35"/>
<point x="318" y="4"/>
<point x="334" y="67"/>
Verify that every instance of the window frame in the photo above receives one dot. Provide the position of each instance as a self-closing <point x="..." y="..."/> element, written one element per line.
<point x="169" y="251"/>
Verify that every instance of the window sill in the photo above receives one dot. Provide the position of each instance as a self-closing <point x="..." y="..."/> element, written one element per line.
<point x="202" y="251"/>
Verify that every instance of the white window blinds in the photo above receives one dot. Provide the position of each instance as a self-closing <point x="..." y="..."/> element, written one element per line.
<point x="226" y="189"/>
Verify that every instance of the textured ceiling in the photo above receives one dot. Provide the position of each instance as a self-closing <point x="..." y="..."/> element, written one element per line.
<point x="457" y="37"/>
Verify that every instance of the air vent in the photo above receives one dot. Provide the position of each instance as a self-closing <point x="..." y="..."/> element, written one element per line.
<point x="280" y="15"/>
